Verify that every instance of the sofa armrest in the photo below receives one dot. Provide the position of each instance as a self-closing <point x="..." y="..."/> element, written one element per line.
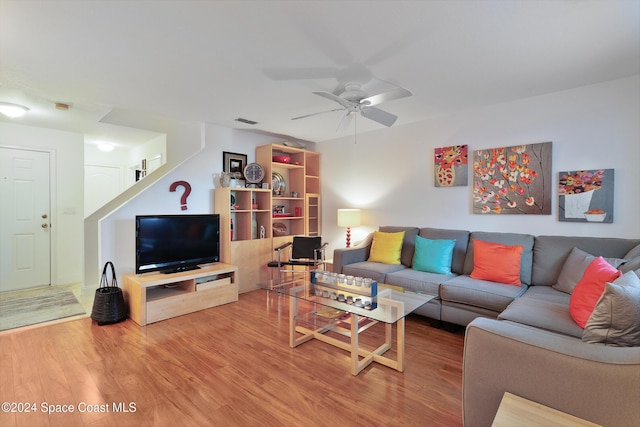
<point x="590" y="381"/>
<point x="346" y="256"/>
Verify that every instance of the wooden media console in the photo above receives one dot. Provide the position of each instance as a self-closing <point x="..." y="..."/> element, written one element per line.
<point x="153" y="297"/>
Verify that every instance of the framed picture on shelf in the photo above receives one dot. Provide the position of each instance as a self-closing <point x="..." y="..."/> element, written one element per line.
<point x="234" y="163"/>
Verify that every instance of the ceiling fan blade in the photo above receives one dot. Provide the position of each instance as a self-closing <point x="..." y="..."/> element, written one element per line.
<point x="396" y="93"/>
<point x="315" y="114"/>
<point x="335" y="98"/>
<point x="345" y="122"/>
<point x="377" y="115"/>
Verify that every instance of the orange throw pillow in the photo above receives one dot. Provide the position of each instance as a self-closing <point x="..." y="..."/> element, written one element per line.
<point x="496" y="263"/>
<point x="589" y="289"/>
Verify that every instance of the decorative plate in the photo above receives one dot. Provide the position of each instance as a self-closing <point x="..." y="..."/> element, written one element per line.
<point x="278" y="184"/>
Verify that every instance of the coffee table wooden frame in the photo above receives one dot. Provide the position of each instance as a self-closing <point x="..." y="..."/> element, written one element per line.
<point x="368" y="356"/>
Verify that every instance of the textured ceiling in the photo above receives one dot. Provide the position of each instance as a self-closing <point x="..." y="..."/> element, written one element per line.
<point x="215" y="61"/>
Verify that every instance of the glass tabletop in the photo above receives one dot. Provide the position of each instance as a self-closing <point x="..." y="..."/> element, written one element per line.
<point x="380" y="302"/>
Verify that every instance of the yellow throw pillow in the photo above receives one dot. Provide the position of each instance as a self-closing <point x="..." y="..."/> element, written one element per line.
<point x="386" y="247"/>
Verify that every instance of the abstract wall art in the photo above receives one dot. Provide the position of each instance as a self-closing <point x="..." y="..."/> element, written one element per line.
<point x="513" y="180"/>
<point x="451" y="166"/>
<point x="586" y="195"/>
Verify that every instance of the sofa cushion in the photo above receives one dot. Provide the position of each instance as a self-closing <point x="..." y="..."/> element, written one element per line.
<point x="589" y="289"/>
<point x="542" y="313"/>
<point x="633" y="253"/>
<point x="496" y="262"/>
<point x="480" y="293"/>
<point x="386" y="247"/>
<point x="550" y="253"/>
<point x="615" y="320"/>
<point x="429" y="283"/>
<point x="547" y="293"/>
<point x="433" y="256"/>
<point x="633" y="260"/>
<point x="460" y="249"/>
<point x="410" y="234"/>
<point x="509" y="239"/>
<point x="574" y="268"/>
<point x="374" y="270"/>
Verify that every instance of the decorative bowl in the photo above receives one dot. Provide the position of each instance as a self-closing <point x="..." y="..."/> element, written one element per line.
<point x="281" y="159"/>
<point x="595" y="217"/>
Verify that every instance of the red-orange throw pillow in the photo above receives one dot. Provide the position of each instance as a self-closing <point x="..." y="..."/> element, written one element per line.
<point x="496" y="262"/>
<point x="589" y="289"/>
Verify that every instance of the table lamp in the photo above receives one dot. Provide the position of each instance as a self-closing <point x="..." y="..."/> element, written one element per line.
<point x="348" y="218"/>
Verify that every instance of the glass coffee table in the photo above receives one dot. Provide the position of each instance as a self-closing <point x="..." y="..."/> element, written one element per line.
<point x="315" y="310"/>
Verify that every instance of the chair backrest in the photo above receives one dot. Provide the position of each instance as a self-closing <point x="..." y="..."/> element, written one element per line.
<point x="304" y="247"/>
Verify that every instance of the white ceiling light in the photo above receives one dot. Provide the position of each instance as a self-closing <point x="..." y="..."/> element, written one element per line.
<point x="12" y="110"/>
<point x="106" y="147"/>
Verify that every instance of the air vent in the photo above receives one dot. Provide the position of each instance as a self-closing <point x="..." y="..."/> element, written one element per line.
<point x="247" y="121"/>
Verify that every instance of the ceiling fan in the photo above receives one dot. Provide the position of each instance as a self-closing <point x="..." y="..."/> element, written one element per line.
<point x="354" y="100"/>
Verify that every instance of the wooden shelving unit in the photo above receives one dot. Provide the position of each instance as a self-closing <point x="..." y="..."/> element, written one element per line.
<point x="313" y="220"/>
<point x="302" y="178"/>
<point x="153" y="297"/>
<point x="312" y="194"/>
<point x="251" y="209"/>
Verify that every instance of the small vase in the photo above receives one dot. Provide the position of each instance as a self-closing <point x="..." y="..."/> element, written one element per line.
<point x="445" y="176"/>
<point x="575" y="205"/>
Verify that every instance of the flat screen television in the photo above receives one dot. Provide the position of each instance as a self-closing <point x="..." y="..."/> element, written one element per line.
<point x="172" y="243"/>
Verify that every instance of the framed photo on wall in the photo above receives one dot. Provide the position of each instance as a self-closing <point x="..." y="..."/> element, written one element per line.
<point x="234" y="162"/>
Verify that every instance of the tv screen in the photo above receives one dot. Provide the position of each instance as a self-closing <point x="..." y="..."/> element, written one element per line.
<point x="171" y="243"/>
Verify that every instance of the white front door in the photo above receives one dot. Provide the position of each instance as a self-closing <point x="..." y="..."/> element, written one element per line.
<point x="25" y="238"/>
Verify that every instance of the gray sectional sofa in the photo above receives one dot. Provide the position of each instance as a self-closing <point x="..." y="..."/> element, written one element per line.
<point x="519" y="339"/>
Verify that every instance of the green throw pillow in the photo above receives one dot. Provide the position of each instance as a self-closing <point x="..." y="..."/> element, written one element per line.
<point x="433" y="256"/>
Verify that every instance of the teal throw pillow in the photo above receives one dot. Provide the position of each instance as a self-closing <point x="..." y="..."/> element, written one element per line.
<point x="433" y="256"/>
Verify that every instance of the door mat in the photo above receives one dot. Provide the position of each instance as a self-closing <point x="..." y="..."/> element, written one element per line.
<point x="23" y="308"/>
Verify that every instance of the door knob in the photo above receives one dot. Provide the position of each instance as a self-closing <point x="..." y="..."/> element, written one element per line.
<point x="45" y="225"/>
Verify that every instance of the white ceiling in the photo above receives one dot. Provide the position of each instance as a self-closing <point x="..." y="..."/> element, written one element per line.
<point x="215" y="61"/>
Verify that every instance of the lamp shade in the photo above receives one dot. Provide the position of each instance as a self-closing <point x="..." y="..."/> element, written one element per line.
<point x="348" y="217"/>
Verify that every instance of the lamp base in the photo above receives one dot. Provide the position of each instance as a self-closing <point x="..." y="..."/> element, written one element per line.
<point x="348" y="237"/>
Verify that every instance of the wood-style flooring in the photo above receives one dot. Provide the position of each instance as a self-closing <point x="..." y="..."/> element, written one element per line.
<point x="226" y="366"/>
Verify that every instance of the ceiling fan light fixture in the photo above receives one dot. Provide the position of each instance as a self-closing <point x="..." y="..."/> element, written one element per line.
<point x="12" y="110"/>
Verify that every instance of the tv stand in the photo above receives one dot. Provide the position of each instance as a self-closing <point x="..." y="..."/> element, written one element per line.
<point x="157" y="296"/>
<point x="180" y="269"/>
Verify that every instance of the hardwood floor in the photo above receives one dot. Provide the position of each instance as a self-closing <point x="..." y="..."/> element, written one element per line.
<point x="225" y="366"/>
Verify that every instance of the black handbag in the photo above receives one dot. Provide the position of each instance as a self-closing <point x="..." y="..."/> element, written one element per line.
<point x="108" y="305"/>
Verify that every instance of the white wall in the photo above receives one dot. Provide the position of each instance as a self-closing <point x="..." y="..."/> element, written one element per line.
<point x="67" y="193"/>
<point x="152" y="149"/>
<point x="183" y="140"/>
<point x="117" y="231"/>
<point x="389" y="173"/>
<point x="126" y="160"/>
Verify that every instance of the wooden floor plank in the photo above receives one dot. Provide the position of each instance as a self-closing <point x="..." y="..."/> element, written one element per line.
<point x="229" y="365"/>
